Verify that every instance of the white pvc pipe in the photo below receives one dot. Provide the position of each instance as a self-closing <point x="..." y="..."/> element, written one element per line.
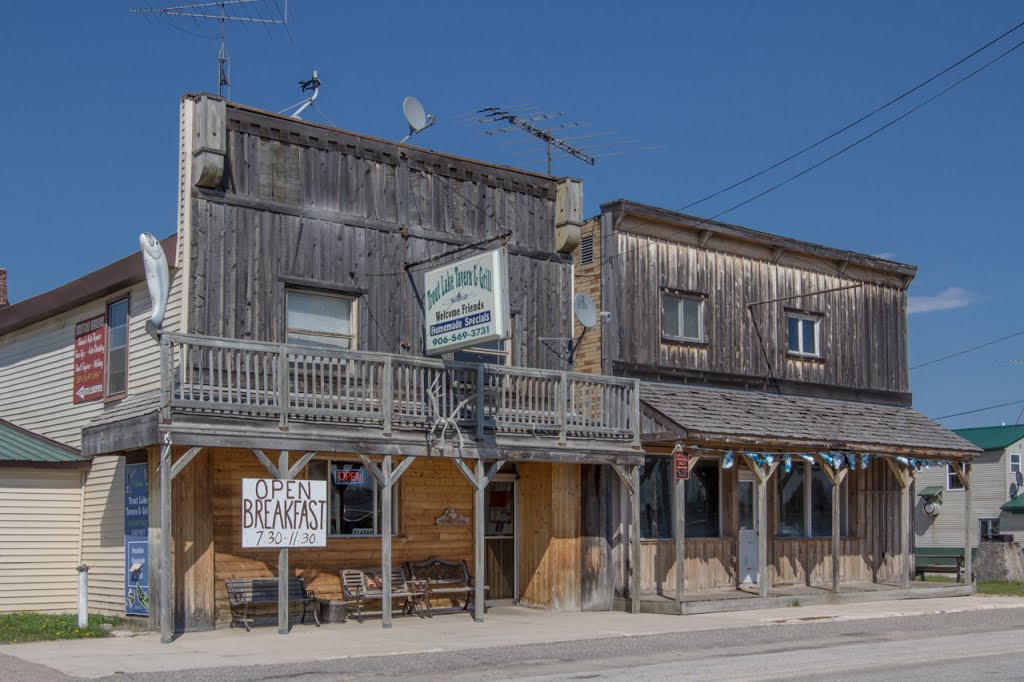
<point x="83" y="596"/>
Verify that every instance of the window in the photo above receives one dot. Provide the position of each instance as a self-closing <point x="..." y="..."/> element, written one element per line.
<point x="321" y="319"/>
<point x="803" y="331"/>
<point x="492" y="352"/>
<point x="117" y="348"/>
<point x="988" y="528"/>
<point x="682" y="317"/>
<point x="1015" y="467"/>
<point x="657" y="495"/>
<point x="952" y="480"/>
<point x="805" y="503"/>
<point x="354" y="504"/>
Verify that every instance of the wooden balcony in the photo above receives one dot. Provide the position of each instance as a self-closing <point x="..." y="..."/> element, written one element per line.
<point x="446" y="408"/>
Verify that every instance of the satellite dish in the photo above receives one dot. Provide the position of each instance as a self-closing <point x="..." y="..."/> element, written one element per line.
<point x="415" y="116"/>
<point x="585" y="310"/>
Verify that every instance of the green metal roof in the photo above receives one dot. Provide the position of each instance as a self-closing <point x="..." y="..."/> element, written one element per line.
<point x="1014" y="506"/>
<point x="993" y="437"/>
<point x="19" y="445"/>
<point x="931" y="491"/>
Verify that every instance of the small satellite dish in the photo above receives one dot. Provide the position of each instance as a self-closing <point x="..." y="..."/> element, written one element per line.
<point x="415" y="116"/>
<point x="585" y="310"/>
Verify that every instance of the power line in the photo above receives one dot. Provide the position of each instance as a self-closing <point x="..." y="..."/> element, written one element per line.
<point x="980" y="409"/>
<point x="842" y="151"/>
<point x="853" y="124"/>
<point x="968" y="350"/>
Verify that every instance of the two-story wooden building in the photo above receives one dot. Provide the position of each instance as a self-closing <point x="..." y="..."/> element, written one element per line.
<point x="780" y="368"/>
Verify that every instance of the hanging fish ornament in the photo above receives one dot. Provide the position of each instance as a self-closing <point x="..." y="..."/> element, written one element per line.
<point x="864" y="459"/>
<point x="727" y="460"/>
<point x="158" y="280"/>
<point x="837" y="460"/>
<point x="787" y="463"/>
<point x="851" y="460"/>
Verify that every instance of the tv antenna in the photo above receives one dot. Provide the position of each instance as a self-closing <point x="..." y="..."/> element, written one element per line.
<point x="525" y="122"/>
<point x="242" y="11"/>
<point x="418" y="119"/>
<point x="585" y="312"/>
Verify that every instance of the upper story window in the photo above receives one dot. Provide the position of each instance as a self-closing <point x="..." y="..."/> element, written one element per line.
<point x="804" y="332"/>
<point x="1015" y="467"/>
<point x="326" y="319"/>
<point x="953" y="481"/>
<point x="117" y="348"/>
<point x="682" y="317"/>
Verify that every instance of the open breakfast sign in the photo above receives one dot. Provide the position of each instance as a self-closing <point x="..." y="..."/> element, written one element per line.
<point x="467" y="302"/>
<point x="282" y="514"/>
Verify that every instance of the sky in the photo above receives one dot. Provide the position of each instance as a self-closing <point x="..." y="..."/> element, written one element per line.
<point x="721" y="89"/>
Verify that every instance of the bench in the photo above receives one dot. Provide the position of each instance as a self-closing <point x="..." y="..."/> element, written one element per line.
<point x="445" y="580"/>
<point x="365" y="585"/>
<point x="939" y="563"/>
<point x="244" y="593"/>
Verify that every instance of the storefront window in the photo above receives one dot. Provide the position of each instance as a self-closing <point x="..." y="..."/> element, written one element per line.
<point x="805" y="503"/>
<point x="354" y="499"/>
<point x="702" y="501"/>
<point x="656" y="498"/>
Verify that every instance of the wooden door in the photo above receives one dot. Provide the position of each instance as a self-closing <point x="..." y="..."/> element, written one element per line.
<point x="500" y="541"/>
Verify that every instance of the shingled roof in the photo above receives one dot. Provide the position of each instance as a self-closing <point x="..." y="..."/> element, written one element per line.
<point x="779" y="422"/>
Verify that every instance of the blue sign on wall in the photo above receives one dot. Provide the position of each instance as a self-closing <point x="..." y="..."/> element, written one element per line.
<point x="136" y="540"/>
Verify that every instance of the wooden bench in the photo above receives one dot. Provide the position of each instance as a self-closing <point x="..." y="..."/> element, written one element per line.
<point x="445" y="580"/>
<point x="362" y="585"/>
<point x="939" y="563"/>
<point x="244" y="593"/>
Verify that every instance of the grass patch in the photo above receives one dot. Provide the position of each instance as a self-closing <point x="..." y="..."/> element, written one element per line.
<point x="16" y="628"/>
<point x="1001" y="587"/>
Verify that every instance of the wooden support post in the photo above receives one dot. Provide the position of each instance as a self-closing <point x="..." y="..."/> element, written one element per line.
<point x="904" y="477"/>
<point x="680" y="541"/>
<point x="282" y="562"/>
<point x="478" y="541"/>
<point x="837" y="482"/>
<point x="385" y="542"/>
<point x="762" y="534"/>
<point x="634" y="540"/>
<point x="963" y="472"/>
<point x="166" y="595"/>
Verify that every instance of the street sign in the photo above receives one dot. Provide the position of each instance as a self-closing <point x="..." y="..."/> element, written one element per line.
<point x="467" y="302"/>
<point x="681" y="463"/>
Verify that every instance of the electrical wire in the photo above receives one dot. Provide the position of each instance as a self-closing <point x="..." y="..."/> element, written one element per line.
<point x="854" y="123"/>
<point x="980" y="409"/>
<point x="967" y="350"/>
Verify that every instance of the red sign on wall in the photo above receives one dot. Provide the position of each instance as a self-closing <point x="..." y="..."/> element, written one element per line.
<point x="681" y="463"/>
<point x="90" y="359"/>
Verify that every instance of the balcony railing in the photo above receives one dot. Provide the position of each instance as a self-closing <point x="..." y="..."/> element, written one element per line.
<point x="224" y="377"/>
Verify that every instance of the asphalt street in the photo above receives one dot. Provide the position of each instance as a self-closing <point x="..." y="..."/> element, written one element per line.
<point x="970" y="645"/>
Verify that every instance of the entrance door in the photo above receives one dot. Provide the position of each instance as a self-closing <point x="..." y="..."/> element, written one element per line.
<point x="748" y="557"/>
<point x="500" y="541"/>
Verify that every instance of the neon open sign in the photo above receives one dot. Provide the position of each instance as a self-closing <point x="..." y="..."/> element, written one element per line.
<point x="348" y="476"/>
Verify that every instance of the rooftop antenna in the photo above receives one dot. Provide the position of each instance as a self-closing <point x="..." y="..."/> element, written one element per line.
<point x="307" y="85"/>
<point x="208" y="10"/>
<point x="524" y="122"/>
<point x="418" y="119"/>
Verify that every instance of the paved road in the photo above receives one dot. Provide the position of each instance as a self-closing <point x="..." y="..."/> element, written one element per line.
<point x="960" y="646"/>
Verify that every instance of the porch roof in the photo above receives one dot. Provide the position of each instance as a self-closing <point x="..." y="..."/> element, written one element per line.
<point x="753" y="419"/>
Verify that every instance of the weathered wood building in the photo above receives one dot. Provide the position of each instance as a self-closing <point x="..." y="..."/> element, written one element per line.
<point x="780" y="367"/>
<point x="299" y="352"/>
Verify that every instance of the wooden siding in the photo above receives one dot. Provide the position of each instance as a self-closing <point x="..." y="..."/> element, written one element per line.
<point x="103" y="534"/>
<point x="424" y="491"/>
<point x="40" y="520"/>
<point x="990" y="490"/>
<point x="587" y="280"/>
<point x="863" y="330"/>
<point x="549" y="536"/>
<point x="327" y="209"/>
<point x="710" y="563"/>
<point x="37" y="365"/>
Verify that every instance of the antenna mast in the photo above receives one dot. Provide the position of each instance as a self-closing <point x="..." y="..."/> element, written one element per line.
<point x="202" y="10"/>
<point x="495" y="114"/>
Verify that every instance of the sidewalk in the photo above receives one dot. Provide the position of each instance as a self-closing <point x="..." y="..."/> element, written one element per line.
<point x="504" y="626"/>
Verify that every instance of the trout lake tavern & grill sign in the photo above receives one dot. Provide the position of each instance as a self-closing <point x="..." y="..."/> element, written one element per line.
<point x="467" y="302"/>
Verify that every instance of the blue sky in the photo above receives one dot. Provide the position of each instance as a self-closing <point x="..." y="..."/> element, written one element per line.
<point x="722" y="88"/>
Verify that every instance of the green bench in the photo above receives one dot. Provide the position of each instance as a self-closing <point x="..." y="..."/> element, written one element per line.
<point x="936" y="562"/>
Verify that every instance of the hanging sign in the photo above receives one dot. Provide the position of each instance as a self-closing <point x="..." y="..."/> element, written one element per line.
<point x="284" y="513"/>
<point x="467" y="302"/>
<point x="681" y="463"/>
<point x="90" y="359"/>
<point x="136" y="541"/>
